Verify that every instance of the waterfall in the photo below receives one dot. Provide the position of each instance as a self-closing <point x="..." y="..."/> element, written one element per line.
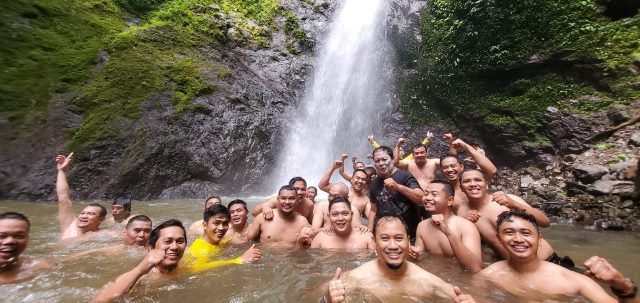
<point x="347" y="98"/>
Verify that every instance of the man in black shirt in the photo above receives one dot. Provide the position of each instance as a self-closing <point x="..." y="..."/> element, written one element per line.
<point x="394" y="190"/>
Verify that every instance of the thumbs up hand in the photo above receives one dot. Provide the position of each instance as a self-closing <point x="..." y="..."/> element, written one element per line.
<point x="336" y="288"/>
<point x="462" y="298"/>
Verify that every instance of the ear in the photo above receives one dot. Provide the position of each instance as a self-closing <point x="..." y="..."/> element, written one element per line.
<point x="204" y="223"/>
<point x="450" y="201"/>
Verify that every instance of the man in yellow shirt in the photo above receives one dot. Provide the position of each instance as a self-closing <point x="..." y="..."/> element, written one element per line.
<point x="199" y="255"/>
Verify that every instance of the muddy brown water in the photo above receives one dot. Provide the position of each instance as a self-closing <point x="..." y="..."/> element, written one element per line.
<point x="282" y="275"/>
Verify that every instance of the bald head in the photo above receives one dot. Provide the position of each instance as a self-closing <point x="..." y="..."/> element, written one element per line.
<point x="338" y="190"/>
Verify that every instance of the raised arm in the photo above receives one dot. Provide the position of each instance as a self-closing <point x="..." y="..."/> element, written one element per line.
<point x="373" y="141"/>
<point x="126" y="281"/>
<point x="399" y="163"/>
<point x="324" y="181"/>
<point x="600" y="270"/>
<point x="517" y="203"/>
<point x="341" y="168"/>
<point x="448" y="137"/>
<point x="484" y="163"/>
<point x="65" y="208"/>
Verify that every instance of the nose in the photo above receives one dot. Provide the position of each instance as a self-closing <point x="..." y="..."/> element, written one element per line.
<point x="518" y="237"/>
<point x="393" y="244"/>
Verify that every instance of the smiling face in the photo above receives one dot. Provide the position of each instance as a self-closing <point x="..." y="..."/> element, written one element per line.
<point x="436" y="200"/>
<point x="451" y="168"/>
<point x="392" y="242"/>
<point x="383" y="163"/>
<point x="137" y="233"/>
<point x="89" y="218"/>
<point x="359" y="180"/>
<point x="340" y="217"/>
<point x="215" y="228"/>
<point x="238" y="215"/>
<point x="287" y="200"/>
<point x="420" y="155"/>
<point x="14" y="236"/>
<point x="172" y="241"/>
<point x="473" y="184"/>
<point x="301" y="190"/>
<point x="311" y="193"/>
<point x="520" y="238"/>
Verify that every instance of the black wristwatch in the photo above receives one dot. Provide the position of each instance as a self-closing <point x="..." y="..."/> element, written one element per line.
<point x="622" y="295"/>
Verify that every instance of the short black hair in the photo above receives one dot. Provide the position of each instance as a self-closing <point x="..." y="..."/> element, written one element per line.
<point x="297" y="179"/>
<point x="383" y="148"/>
<point x="420" y="145"/>
<point x="238" y="201"/>
<point x="155" y="233"/>
<point x="362" y="171"/>
<point x="212" y="197"/>
<point x="103" y="210"/>
<point x="448" y="188"/>
<point x="391" y="215"/>
<point x="509" y="214"/>
<point x="214" y="210"/>
<point x="141" y="218"/>
<point x="126" y="203"/>
<point x="15" y="216"/>
<point x="370" y="170"/>
<point x="448" y="155"/>
<point x="313" y="188"/>
<point x="286" y="187"/>
<point x="340" y="199"/>
<point x="467" y="169"/>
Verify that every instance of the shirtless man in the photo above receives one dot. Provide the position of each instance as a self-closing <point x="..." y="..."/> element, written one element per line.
<point x="451" y="169"/>
<point x="356" y="165"/>
<point x="121" y="213"/>
<point x="446" y="234"/>
<point x="196" y="227"/>
<point x="526" y="277"/>
<point x="14" y="237"/>
<point x="239" y="214"/>
<point x="321" y="211"/>
<point x="422" y="168"/>
<point x="285" y="228"/>
<point x="390" y="277"/>
<point x="359" y="182"/>
<point x="485" y="208"/>
<point x="89" y="219"/>
<point x="303" y="205"/>
<point x="343" y="235"/>
<point x="198" y="256"/>
<point x="312" y="193"/>
<point x="166" y="247"/>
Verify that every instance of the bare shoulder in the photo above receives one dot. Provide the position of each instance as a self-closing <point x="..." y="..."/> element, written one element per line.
<point x="364" y="271"/>
<point x="464" y="223"/>
<point x="494" y="269"/>
<point x="424" y="224"/>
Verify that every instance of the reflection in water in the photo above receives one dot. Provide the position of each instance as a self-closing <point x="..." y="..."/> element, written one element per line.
<point x="283" y="275"/>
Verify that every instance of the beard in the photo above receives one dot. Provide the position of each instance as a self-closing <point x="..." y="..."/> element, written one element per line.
<point x="394" y="266"/>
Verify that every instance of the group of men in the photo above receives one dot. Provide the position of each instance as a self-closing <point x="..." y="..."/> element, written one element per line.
<point x="398" y="209"/>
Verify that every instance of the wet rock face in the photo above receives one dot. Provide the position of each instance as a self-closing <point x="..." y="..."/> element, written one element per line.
<point x="568" y="133"/>
<point x="588" y="173"/>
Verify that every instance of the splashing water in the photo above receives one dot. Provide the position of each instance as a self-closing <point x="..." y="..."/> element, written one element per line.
<point x="347" y="98"/>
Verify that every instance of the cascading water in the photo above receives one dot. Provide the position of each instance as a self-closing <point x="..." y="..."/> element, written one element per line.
<point x="347" y="98"/>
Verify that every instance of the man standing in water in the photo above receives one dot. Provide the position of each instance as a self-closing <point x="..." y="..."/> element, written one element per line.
<point x="14" y="237"/>
<point x="135" y="235"/>
<point x="446" y="234"/>
<point x="359" y="182"/>
<point x="166" y="247"/>
<point x="485" y="208"/>
<point x="395" y="191"/>
<point x="90" y="217"/>
<point x="390" y="277"/>
<point x="285" y="228"/>
<point x="196" y="227"/>
<point x="527" y="277"/>
<point x="321" y="211"/>
<point x="421" y="167"/>
<point x="239" y="214"/>
<point x="344" y="236"/>
<point x="451" y="169"/>
<point x="121" y="212"/>
<point x="303" y="205"/>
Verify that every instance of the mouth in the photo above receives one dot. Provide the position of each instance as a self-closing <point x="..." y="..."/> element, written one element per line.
<point x="8" y="252"/>
<point x="394" y="255"/>
<point x="451" y="175"/>
<point x="519" y="248"/>
<point x="220" y="234"/>
<point x="341" y="225"/>
<point x="429" y="204"/>
<point x="172" y="255"/>
<point x="237" y="220"/>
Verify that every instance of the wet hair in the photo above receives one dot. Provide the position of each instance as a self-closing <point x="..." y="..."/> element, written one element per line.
<point x="371" y="171"/>
<point x="363" y="171"/>
<point x="155" y="233"/>
<point x="212" y="197"/>
<point x="126" y="203"/>
<point x="359" y="162"/>
<point x="15" y="216"/>
<point x="103" y="210"/>
<point x="340" y="200"/>
<point x="314" y="188"/>
<point x="386" y="216"/>
<point x="141" y="218"/>
<point x="215" y="209"/>
<point x="448" y="189"/>
<point x="419" y="145"/>
<point x="238" y="201"/>
<point x="286" y="187"/>
<point x="509" y="214"/>
<point x="467" y="169"/>
<point x="450" y="156"/>
<point x="384" y="149"/>
<point x="297" y="179"/>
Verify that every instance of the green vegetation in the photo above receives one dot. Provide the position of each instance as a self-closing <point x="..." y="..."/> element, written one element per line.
<point x="506" y="62"/>
<point x="53" y="46"/>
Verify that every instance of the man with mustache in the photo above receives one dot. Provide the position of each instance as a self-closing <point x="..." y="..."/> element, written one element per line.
<point x="14" y="237"/>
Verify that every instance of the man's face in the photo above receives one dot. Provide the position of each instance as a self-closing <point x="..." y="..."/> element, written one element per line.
<point x="90" y="218"/>
<point x="312" y="193"/>
<point x="392" y="242"/>
<point x="359" y="181"/>
<point x="383" y="163"/>
<point x="119" y="212"/>
<point x="238" y="215"/>
<point x="340" y="217"/>
<point x="360" y="165"/>
<point x="212" y="202"/>
<point x="14" y="235"/>
<point x="520" y="238"/>
<point x="436" y="200"/>
<point x="301" y="190"/>
<point x="287" y="200"/>
<point x="215" y="228"/>
<point x="450" y="168"/>
<point x="173" y="242"/>
<point x="137" y="233"/>
<point x="420" y="155"/>
<point x="473" y="184"/>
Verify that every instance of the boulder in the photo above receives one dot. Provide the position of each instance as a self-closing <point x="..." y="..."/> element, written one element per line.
<point x="617" y="116"/>
<point x="625" y="170"/>
<point x="526" y="181"/>
<point x="587" y="173"/>
<point x="635" y="139"/>
<point x="602" y="187"/>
